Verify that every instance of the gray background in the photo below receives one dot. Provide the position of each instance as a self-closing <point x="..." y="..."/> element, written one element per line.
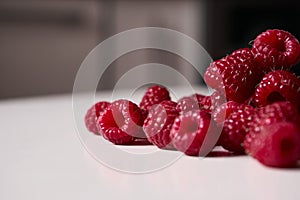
<point x="42" y="43"/>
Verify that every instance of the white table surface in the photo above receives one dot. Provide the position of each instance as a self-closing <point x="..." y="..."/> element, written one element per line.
<point x="43" y="158"/>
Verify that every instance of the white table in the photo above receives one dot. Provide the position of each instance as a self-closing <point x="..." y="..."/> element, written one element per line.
<point x="43" y="158"/>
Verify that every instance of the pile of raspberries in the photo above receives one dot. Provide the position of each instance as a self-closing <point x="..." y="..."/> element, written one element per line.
<point x="255" y="108"/>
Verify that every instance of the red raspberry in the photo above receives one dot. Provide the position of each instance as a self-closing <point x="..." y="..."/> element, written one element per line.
<point x="276" y="49"/>
<point x="92" y="115"/>
<point x="278" y="86"/>
<point x="278" y="145"/>
<point x="154" y="95"/>
<point x="266" y="116"/>
<point x="212" y="102"/>
<point x="158" y="123"/>
<point x="225" y="110"/>
<point x="236" y="126"/>
<point x="121" y="122"/>
<point x="236" y="75"/>
<point x="207" y="104"/>
<point x="189" y="131"/>
<point x="192" y="102"/>
<point x="279" y="111"/>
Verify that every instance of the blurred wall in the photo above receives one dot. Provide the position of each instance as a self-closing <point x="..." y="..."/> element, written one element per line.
<point x="43" y="42"/>
<point x="186" y="16"/>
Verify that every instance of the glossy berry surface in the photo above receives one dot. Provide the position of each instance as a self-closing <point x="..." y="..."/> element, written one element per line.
<point x="276" y="49"/>
<point x="278" y="145"/>
<point x="92" y="115"/>
<point x="154" y="95"/>
<point x="212" y="102"/>
<point x="225" y="110"/>
<point x="276" y="86"/>
<point x="121" y="122"/>
<point x="158" y="124"/>
<point x="266" y="116"/>
<point x="235" y="76"/>
<point x="235" y="128"/>
<point x="193" y="102"/>
<point x="189" y="131"/>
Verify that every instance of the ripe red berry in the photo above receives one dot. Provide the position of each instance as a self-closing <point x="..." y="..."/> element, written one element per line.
<point x="266" y="116"/>
<point x="189" y="131"/>
<point x="226" y="109"/>
<point x="278" y="145"/>
<point x="235" y="128"/>
<point x="279" y="111"/>
<point x="212" y="102"/>
<point x="121" y="122"/>
<point x="276" y="86"/>
<point x="235" y="75"/>
<point x="276" y="49"/>
<point x="188" y="103"/>
<point x="92" y="115"/>
<point x="206" y="104"/>
<point x="158" y="124"/>
<point x="154" y="95"/>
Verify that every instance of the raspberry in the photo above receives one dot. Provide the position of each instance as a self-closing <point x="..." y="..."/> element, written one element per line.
<point x="276" y="49"/>
<point x="235" y="76"/>
<point x="236" y="126"/>
<point x="92" y="115"/>
<point x="192" y="102"/>
<point x="158" y="124"/>
<point x="210" y="103"/>
<point x="154" y="95"/>
<point x="278" y="86"/>
<point x="266" y="116"/>
<point x="279" y="111"/>
<point x="189" y="131"/>
<point x="278" y="145"/>
<point x="121" y="122"/>
<point x="225" y="110"/>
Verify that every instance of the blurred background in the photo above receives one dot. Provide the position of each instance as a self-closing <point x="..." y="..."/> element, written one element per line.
<point x="43" y="42"/>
